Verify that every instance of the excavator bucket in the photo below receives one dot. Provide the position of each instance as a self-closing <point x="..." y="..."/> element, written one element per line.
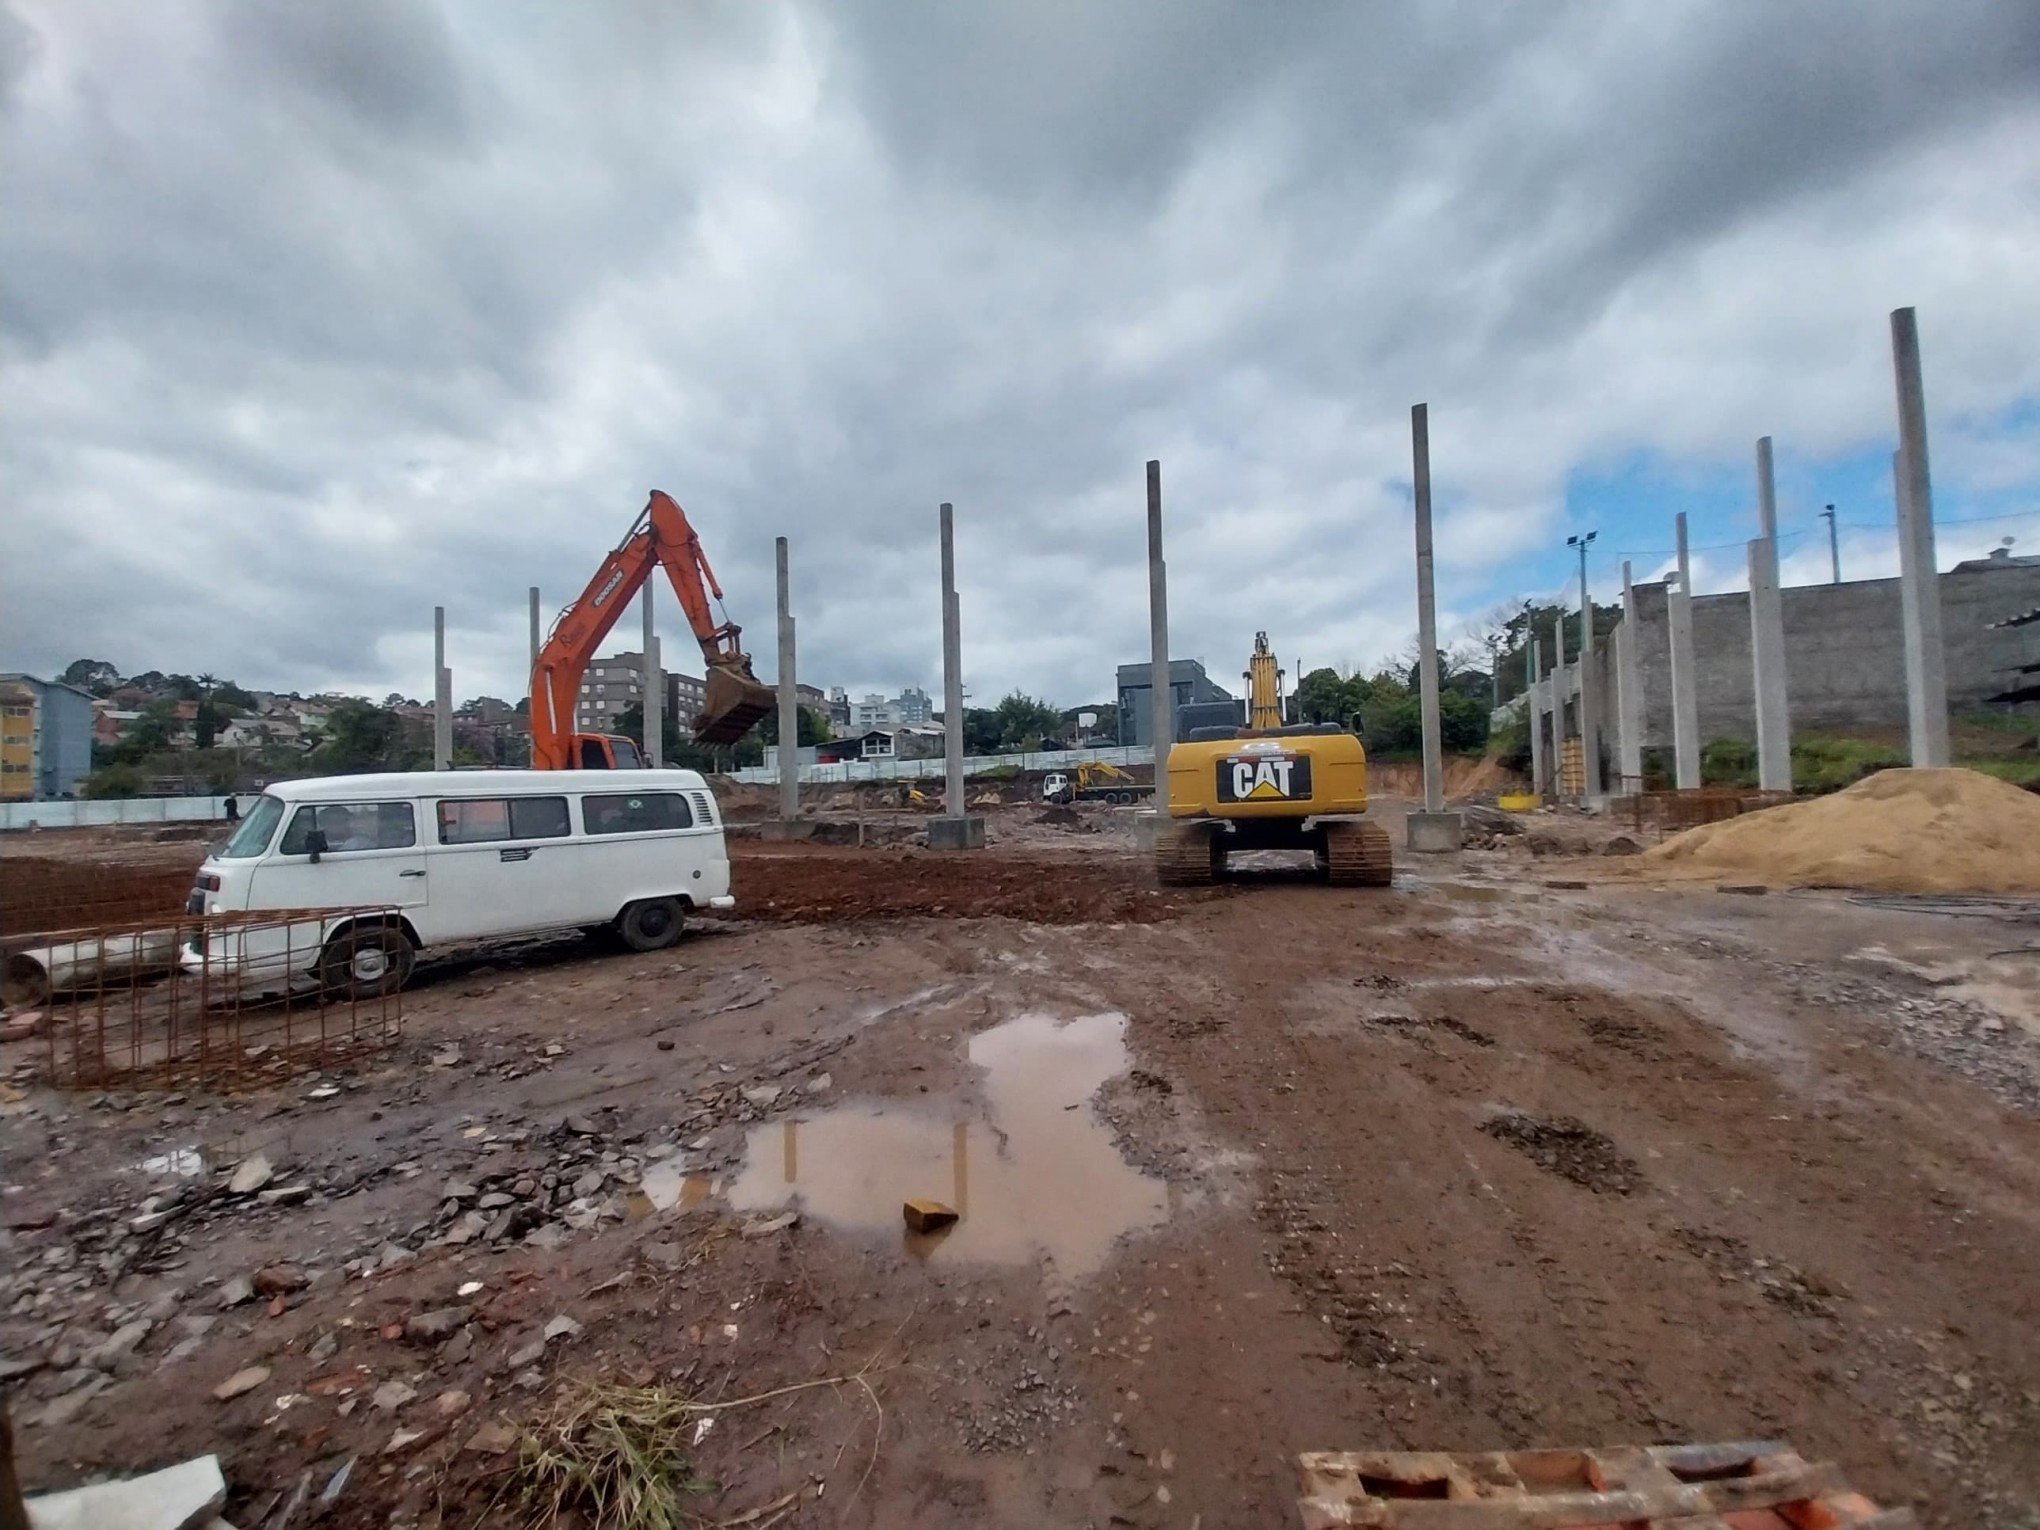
<point x="736" y="700"/>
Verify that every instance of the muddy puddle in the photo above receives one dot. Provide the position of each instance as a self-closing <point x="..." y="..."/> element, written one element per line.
<point x="1033" y="1171"/>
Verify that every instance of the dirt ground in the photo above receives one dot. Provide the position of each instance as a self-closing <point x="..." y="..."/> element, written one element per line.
<point x="1473" y="1162"/>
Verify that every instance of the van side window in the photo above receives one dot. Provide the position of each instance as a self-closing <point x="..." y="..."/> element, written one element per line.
<point x="479" y="820"/>
<point x="635" y="812"/>
<point x="352" y="826"/>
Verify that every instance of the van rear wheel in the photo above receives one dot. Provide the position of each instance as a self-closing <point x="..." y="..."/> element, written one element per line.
<point x="652" y="924"/>
<point x="366" y="963"/>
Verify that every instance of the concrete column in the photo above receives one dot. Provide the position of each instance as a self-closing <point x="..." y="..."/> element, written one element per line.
<point x="1926" y="660"/>
<point x="1427" y="610"/>
<point x="789" y="697"/>
<point x="1533" y="705"/>
<point x="442" y="695"/>
<point x="1433" y="829"/>
<point x="1161" y="694"/>
<point x="1685" y="696"/>
<point x="1590" y="720"/>
<point x="1628" y="689"/>
<point x="1767" y="638"/>
<point x="956" y="829"/>
<point x="654" y="708"/>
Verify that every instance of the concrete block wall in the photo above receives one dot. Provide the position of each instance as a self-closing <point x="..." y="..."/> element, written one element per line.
<point x="1844" y="660"/>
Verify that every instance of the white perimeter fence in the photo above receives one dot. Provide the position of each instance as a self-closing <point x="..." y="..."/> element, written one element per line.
<point x="95" y="815"/>
<point x="973" y="765"/>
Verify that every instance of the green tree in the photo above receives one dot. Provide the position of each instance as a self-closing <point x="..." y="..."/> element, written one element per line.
<point x="813" y="727"/>
<point x="980" y="730"/>
<point x="362" y="736"/>
<point x="231" y="695"/>
<point x="146" y="735"/>
<point x="119" y="780"/>
<point x="1323" y="697"/>
<point x="1462" y="721"/>
<point x="1023" y="722"/>
<point x="94" y="675"/>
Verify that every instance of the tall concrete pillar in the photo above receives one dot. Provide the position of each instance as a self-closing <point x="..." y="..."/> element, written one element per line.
<point x="654" y="708"/>
<point x="1427" y="611"/>
<point x="1161" y="694"/>
<point x="1433" y="829"/>
<point x="1628" y="688"/>
<point x="1926" y="660"/>
<point x="1533" y="706"/>
<point x="789" y="696"/>
<point x="1590" y="704"/>
<point x="956" y="829"/>
<point x="442" y="695"/>
<point x="1557" y="704"/>
<point x="1767" y="637"/>
<point x="1685" y="693"/>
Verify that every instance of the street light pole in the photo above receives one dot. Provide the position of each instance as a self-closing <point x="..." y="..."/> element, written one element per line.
<point x="1834" y="545"/>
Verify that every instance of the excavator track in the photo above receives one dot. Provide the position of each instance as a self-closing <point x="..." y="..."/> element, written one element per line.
<point x="1357" y="855"/>
<point x="1186" y="855"/>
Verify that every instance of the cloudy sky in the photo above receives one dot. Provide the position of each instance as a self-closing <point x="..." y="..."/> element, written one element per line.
<point x="313" y="316"/>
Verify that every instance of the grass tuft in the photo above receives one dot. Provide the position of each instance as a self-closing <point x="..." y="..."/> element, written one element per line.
<point x="615" y="1455"/>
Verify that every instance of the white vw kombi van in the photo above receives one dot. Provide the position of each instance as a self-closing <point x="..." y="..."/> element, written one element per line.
<point x="457" y="855"/>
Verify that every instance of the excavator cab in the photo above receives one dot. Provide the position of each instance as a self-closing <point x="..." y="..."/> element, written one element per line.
<point x="605" y="751"/>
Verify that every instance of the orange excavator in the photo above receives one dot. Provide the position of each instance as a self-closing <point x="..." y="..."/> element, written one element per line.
<point x="659" y="538"/>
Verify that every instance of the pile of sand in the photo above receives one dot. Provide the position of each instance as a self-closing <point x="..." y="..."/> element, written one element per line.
<point x="1897" y="831"/>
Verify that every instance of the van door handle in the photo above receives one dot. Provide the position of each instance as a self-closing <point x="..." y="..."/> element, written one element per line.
<point x="410" y="873"/>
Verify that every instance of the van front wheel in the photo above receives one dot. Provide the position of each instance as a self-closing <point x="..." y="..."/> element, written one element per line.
<point x="651" y="925"/>
<point x="366" y="963"/>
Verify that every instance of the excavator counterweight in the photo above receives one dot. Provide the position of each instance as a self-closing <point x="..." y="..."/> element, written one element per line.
<point x="660" y="538"/>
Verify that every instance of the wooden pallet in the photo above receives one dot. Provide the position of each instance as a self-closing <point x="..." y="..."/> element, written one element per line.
<point x="1752" y="1485"/>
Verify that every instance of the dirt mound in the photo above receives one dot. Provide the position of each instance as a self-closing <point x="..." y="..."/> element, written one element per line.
<point x="813" y="885"/>
<point x="1897" y="831"/>
<point x="1465" y="776"/>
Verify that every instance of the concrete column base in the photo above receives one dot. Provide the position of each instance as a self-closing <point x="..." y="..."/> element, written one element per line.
<point x="787" y="828"/>
<point x="1436" y="833"/>
<point x="956" y="834"/>
<point x="1147" y="824"/>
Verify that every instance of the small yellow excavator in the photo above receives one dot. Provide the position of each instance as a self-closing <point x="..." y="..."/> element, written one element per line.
<point x="1269" y="787"/>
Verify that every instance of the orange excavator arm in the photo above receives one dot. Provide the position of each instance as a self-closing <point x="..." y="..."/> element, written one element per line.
<point x="660" y="538"/>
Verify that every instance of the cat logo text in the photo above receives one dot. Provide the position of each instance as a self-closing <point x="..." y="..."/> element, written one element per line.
<point x="1263" y="777"/>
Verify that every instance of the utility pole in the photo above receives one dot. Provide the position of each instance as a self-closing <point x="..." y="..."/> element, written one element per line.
<point x="1834" y="545"/>
<point x="1590" y="750"/>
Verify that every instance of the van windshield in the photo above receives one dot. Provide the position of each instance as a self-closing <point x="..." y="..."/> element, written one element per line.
<point x="253" y="837"/>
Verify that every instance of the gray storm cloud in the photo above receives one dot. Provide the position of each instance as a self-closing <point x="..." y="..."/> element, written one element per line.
<point x="314" y="317"/>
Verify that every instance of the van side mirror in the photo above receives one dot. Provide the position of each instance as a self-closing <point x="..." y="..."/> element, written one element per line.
<point x="315" y="844"/>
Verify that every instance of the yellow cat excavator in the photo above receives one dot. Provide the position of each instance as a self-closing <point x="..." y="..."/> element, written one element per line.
<point x="660" y="538"/>
<point x="1269" y="787"/>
